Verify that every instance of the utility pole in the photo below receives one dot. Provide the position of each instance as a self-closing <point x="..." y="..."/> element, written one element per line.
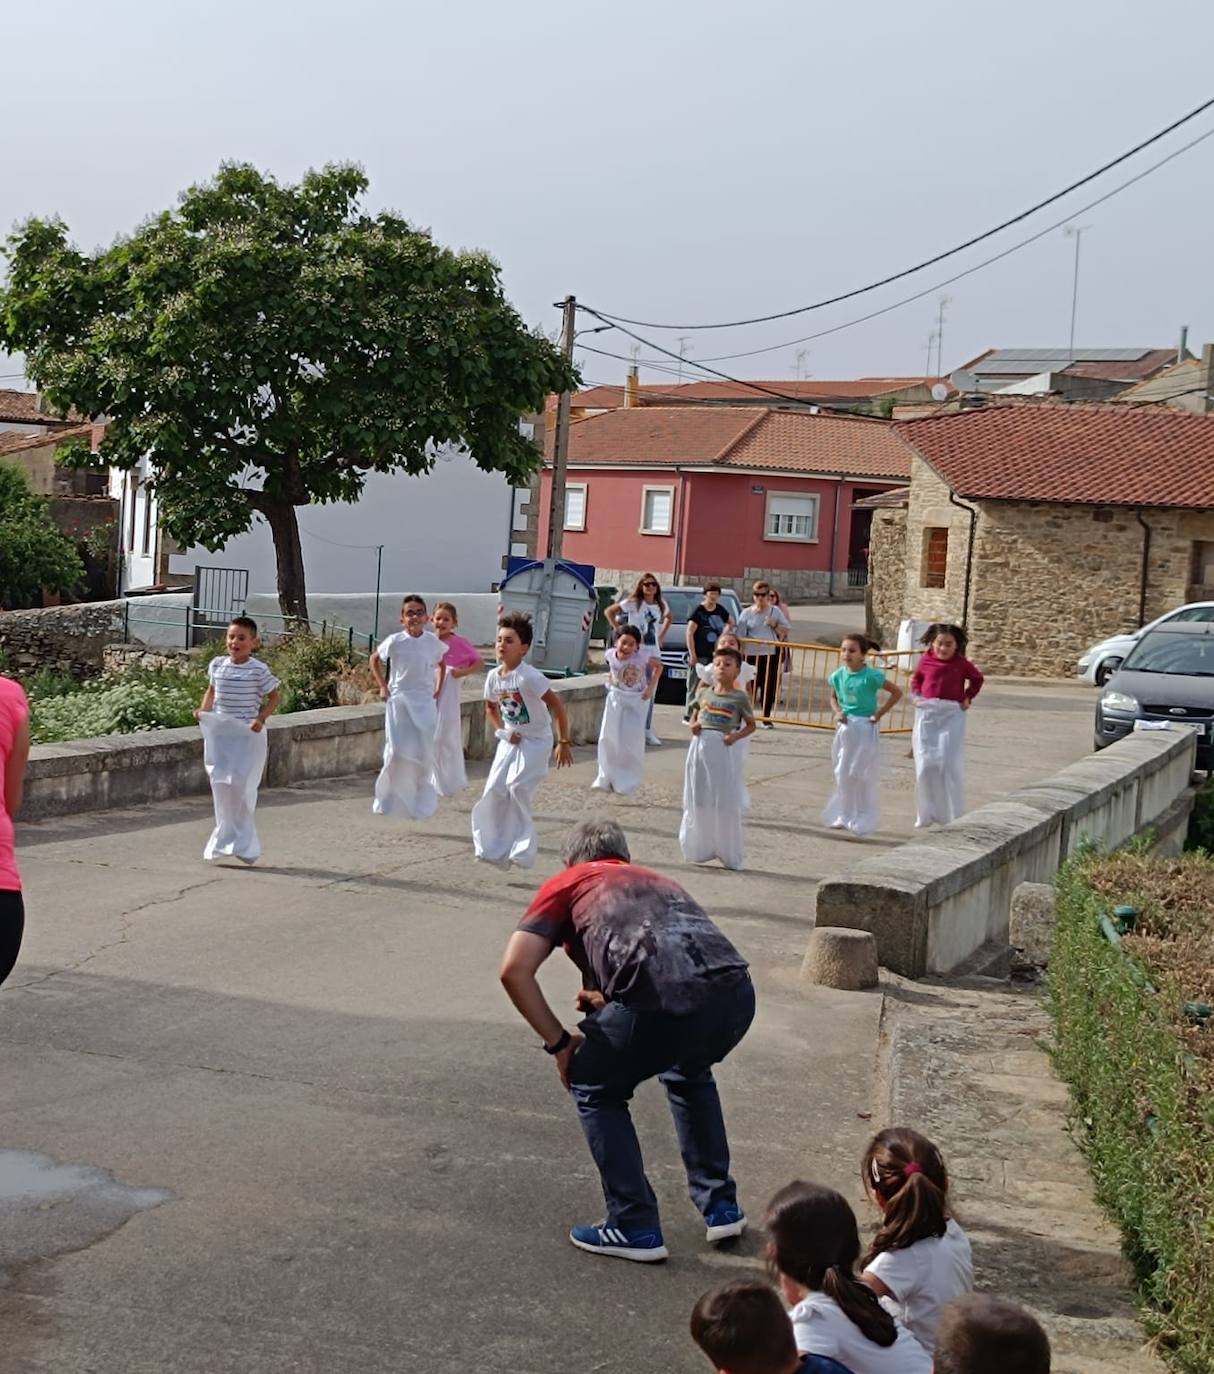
<point x="560" y="447"/>
<point x="1074" y="231"/>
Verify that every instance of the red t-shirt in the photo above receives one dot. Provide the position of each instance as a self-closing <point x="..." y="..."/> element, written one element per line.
<point x="637" y="937"/>
<point x="14" y="711"/>
<point x="945" y="679"/>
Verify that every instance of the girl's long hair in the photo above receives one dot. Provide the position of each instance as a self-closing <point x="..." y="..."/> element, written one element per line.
<point x="813" y="1240"/>
<point x="867" y="645"/>
<point x="638" y="594"/>
<point x="943" y="628"/>
<point x="906" y="1171"/>
<point x="450" y="609"/>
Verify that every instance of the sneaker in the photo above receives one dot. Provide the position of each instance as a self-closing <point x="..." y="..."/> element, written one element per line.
<point x="725" y="1221"/>
<point x="645" y="1247"/>
<point x="652" y="737"/>
<point x="766" y="725"/>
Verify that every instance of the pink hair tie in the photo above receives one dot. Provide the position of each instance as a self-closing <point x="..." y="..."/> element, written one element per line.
<point x="911" y="1169"/>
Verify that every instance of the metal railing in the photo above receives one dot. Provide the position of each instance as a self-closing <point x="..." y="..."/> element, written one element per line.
<point x="188" y="622"/>
<point x="858" y="576"/>
<point x="802" y="694"/>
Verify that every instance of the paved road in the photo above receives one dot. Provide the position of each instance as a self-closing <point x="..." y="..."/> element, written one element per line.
<point x="370" y="1166"/>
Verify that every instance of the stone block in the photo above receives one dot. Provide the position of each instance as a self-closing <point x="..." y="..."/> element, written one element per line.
<point x="1031" y="925"/>
<point x="841" y="958"/>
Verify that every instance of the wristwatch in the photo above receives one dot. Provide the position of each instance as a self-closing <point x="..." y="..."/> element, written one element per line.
<point x="561" y="1044"/>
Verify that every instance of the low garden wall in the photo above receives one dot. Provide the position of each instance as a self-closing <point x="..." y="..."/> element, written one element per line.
<point x="934" y="903"/>
<point x="126" y="770"/>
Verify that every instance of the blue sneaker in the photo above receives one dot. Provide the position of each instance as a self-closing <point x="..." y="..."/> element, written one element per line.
<point x="725" y="1221"/>
<point x="646" y="1247"/>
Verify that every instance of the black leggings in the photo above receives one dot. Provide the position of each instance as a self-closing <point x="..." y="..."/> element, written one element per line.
<point x="767" y="679"/>
<point x="12" y="925"/>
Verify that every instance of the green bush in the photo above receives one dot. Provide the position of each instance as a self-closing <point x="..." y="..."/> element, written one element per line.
<point x="1201" y="822"/>
<point x="115" y="707"/>
<point x="308" y="667"/>
<point x="1142" y="1075"/>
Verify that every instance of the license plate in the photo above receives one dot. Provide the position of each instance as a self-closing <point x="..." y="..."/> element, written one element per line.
<point x="676" y="672"/>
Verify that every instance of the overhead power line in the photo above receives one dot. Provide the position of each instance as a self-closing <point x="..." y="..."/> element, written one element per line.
<point x="607" y="316"/>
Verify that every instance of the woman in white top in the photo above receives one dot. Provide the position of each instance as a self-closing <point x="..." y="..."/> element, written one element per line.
<point x="813" y="1245"/>
<point x="648" y="613"/>
<point x="920" y="1259"/>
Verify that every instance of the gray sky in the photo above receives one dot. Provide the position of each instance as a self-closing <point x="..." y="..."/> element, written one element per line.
<point x="671" y="161"/>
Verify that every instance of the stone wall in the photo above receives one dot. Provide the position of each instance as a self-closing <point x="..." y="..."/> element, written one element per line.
<point x="66" y="639"/>
<point x="929" y="508"/>
<point x="122" y="658"/>
<point x="887" y="575"/>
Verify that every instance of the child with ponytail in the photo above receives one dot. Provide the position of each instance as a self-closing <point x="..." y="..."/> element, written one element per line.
<point x="813" y="1245"/>
<point x="920" y="1258"/>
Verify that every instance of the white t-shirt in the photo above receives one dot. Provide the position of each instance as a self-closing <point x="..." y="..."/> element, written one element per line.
<point x="411" y="660"/>
<point x="520" y="698"/>
<point x="628" y="675"/>
<point x="240" y="687"/>
<point x="647" y="617"/>
<point x="753" y="624"/>
<point x="924" y="1277"/>
<point x="821" y="1327"/>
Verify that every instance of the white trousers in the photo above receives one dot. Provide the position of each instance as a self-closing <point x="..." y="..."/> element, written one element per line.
<point x="621" y="742"/>
<point x="502" y="829"/>
<point x="450" y="775"/>
<point x="405" y="786"/>
<point x="939" y="744"/>
<point x="234" y="755"/>
<point x="714" y="797"/>
<point x="856" y="757"/>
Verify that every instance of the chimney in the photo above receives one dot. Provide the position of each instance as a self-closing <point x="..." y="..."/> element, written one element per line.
<point x="1183" y="351"/>
<point x="1207" y="377"/>
<point x="632" y="388"/>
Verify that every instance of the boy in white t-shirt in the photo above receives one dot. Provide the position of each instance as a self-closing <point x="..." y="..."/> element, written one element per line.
<point x="405" y="786"/>
<point x="241" y="695"/>
<point x="518" y="700"/>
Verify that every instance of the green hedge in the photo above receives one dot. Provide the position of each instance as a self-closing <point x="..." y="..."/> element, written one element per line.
<point x="1142" y="1080"/>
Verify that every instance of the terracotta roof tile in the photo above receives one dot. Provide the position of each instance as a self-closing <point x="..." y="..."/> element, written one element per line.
<point x="1136" y="371"/>
<point x="809" y="392"/>
<point x="21" y="408"/>
<point x="1090" y="455"/>
<point x="738" y="436"/>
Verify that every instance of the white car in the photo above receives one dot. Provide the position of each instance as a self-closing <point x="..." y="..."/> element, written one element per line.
<point x="1102" y="660"/>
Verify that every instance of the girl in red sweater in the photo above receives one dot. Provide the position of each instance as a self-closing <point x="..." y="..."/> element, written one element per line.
<point x="942" y="687"/>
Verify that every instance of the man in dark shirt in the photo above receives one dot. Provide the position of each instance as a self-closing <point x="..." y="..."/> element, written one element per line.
<point x="705" y="625"/>
<point x="667" y="995"/>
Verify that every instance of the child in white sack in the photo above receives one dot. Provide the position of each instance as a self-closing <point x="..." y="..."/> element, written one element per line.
<point x="856" y="752"/>
<point x="415" y="659"/>
<point x="633" y="682"/>
<point x="943" y="688"/>
<point x="242" y="694"/>
<point x="462" y="658"/>
<point x="714" y="782"/>
<point x="520" y="705"/>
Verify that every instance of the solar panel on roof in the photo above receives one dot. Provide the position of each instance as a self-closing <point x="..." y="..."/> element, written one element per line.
<point x="1003" y="356"/>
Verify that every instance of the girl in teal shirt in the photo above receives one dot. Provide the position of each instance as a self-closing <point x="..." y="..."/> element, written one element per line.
<point x="856" y="751"/>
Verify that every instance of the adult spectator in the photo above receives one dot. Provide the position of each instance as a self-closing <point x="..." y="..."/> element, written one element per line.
<point x="766" y="626"/>
<point x="665" y="995"/>
<point x="14" y="753"/>
<point x="648" y="613"/>
<point x="704" y="627"/>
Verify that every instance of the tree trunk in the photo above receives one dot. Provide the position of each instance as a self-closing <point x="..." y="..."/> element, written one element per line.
<point x="288" y="553"/>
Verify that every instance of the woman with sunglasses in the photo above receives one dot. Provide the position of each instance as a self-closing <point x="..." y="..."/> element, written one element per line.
<point x="648" y="614"/>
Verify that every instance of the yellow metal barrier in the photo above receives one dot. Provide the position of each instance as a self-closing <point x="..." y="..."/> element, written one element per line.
<point x="803" y="684"/>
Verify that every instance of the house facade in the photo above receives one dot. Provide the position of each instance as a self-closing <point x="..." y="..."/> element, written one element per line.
<point x="1043" y="529"/>
<point x="726" y="494"/>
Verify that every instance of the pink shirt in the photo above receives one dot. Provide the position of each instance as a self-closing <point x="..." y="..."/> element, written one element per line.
<point x="945" y="679"/>
<point x="461" y="652"/>
<point x="14" y="711"/>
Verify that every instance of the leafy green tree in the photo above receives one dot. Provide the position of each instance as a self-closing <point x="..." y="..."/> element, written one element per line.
<point x="266" y="346"/>
<point x="34" y="555"/>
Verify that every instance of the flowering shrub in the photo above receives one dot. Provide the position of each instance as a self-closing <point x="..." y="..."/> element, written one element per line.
<point x="112" y="706"/>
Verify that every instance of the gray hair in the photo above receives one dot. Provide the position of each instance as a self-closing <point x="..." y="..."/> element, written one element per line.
<point x="591" y="840"/>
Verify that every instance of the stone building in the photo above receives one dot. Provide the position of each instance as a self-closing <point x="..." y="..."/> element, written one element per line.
<point x="1046" y="528"/>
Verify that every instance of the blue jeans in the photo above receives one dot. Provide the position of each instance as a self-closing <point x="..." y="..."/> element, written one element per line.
<point x="622" y="1049"/>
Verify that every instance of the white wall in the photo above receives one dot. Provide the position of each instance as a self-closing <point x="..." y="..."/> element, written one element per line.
<point x="447" y="530"/>
<point x="137" y="526"/>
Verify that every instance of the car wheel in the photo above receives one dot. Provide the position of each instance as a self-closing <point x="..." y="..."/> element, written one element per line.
<point x="1106" y="670"/>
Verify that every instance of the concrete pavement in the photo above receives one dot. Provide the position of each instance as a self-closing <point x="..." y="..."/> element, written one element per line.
<point x="371" y="1165"/>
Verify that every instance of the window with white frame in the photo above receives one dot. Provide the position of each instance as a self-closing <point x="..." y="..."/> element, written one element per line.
<point x="657" y="510"/>
<point x="575" y="506"/>
<point x="791" y="515"/>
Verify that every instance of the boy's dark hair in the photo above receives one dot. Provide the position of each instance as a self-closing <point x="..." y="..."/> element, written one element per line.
<point x="246" y="622"/>
<point x="867" y="646"/>
<point x="727" y="652"/>
<point x="742" y="1327"/>
<point x="629" y="632"/>
<point x="519" y="622"/>
<point x="942" y="628"/>
<point x="413" y="600"/>
<point x="713" y="587"/>
<point x="980" y="1334"/>
<point x="813" y="1239"/>
<point x="906" y="1171"/>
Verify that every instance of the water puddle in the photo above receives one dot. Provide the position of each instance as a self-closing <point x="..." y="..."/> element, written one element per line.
<point x="48" y="1208"/>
